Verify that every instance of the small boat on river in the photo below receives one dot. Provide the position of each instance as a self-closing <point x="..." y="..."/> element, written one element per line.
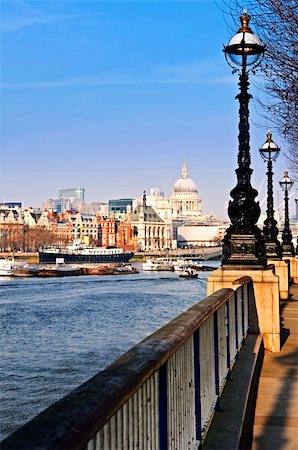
<point x="125" y="269"/>
<point x="6" y="267"/>
<point x="189" y="273"/>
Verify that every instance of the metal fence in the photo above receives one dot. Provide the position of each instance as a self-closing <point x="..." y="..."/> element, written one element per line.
<point x="161" y="394"/>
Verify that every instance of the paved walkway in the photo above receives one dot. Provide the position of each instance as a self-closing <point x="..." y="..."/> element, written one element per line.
<point x="276" y="417"/>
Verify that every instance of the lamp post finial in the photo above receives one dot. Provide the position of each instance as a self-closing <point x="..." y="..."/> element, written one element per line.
<point x="245" y="18"/>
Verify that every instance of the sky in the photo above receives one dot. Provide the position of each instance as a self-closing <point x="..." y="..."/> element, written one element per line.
<point x="112" y="96"/>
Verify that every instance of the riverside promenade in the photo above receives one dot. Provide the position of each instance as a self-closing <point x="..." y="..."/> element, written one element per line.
<point x="276" y="416"/>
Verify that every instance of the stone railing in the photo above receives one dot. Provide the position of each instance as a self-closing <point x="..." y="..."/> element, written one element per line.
<point x="161" y="394"/>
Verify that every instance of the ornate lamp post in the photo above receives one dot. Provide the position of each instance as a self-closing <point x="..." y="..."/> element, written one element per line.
<point x="287" y="245"/>
<point x="269" y="153"/>
<point x="244" y="244"/>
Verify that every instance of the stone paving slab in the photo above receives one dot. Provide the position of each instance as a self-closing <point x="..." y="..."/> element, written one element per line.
<point x="276" y="415"/>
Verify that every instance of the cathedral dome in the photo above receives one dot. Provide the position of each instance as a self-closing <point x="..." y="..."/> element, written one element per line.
<point x="185" y="184"/>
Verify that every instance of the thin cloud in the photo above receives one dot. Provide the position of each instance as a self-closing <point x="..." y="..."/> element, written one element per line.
<point x="29" y="16"/>
<point x="200" y="71"/>
<point x="196" y="72"/>
<point x="16" y="23"/>
<point x="91" y="82"/>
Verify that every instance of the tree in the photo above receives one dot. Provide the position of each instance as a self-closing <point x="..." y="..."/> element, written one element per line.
<point x="276" y="23"/>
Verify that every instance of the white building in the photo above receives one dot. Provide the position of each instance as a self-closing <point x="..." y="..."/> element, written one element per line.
<point x="182" y="211"/>
<point x="185" y="200"/>
<point x="152" y="230"/>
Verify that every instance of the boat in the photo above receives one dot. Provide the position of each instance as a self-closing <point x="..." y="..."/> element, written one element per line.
<point x="60" y="269"/>
<point x="77" y="253"/>
<point x="181" y="266"/>
<point x="25" y="271"/>
<point x="206" y="268"/>
<point x="153" y="265"/>
<point x="188" y="273"/>
<point x="125" y="269"/>
<point x="98" y="270"/>
<point x="6" y="267"/>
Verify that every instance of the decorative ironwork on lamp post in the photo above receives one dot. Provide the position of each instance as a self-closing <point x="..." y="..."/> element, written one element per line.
<point x="269" y="153"/>
<point x="244" y="244"/>
<point x="287" y="245"/>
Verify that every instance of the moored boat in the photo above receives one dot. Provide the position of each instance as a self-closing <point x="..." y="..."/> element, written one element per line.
<point x="60" y="269"/>
<point x="98" y="270"/>
<point x="78" y="253"/>
<point x="6" y="267"/>
<point x="206" y="268"/>
<point x="25" y="271"/>
<point x="153" y="265"/>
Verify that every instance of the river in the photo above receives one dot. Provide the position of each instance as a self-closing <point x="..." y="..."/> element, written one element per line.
<point x="58" y="332"/>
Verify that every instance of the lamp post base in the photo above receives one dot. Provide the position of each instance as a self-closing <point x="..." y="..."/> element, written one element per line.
<point x="243" y="253"/>
<point x="288" y="250"/>
<point x="273" y="250"/>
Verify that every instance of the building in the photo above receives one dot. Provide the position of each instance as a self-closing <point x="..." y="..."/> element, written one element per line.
<point x="11" y="204"/>
<point x="96" y="208"/>
<point x="119" y="206"/>
<point x="11" y="227"/>
<point x="152" y="232"/>
<point x="73" y="194"/>
<point x="71" y="199"/>
<point x="82" y="225"/>
<point x="185" y="200"/>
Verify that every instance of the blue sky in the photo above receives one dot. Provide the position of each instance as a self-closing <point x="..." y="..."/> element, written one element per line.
<point x="114" y="95"/>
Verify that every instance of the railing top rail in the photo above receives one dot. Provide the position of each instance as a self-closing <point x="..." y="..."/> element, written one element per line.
<point x="76" y="418"/>
<point x="242" y="280"/>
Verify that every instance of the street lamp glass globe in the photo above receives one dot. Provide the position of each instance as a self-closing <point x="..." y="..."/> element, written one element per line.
<point x="269" y="150"/>
<point x="245" y="48"/>
<point x="286" y="183"/>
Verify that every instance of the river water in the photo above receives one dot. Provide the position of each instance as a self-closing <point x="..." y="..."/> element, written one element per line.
<point x="58" y="332"/>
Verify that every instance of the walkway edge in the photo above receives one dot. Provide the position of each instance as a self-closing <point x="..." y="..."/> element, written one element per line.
<point x="233" y="429"/>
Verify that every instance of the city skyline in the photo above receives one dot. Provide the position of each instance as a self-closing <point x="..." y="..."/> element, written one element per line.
<point x="113" y="96"/>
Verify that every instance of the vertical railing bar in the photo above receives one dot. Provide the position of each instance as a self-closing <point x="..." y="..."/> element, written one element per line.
<point x="141" y="417"/>
<point x="228" y="340"/>
<point x="107" y="435"/>
<point x="216" y="356"/>
<point x="236" y="323"/>
<point x="130" y="423"/>
<point x="242" y="315"/>
<point x="171" y="403"/>
<point x="119" y="425"/>
<point x="156" y="411"/>
<point x="248" y="304"/>
<point x="144" y="402"/>
<point x="162" y="402"/>
<point x="181" y="397"/>
<point x="113" y="432"/>
<point x="197" y="386"/>
<point x="148" y="412"/>
<point x="136" y="420"/>
<point x="125" y="427"/>
<point x="176" y="418"/>
<point x="180" y="354"/>
<point x="99" y="440"/>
